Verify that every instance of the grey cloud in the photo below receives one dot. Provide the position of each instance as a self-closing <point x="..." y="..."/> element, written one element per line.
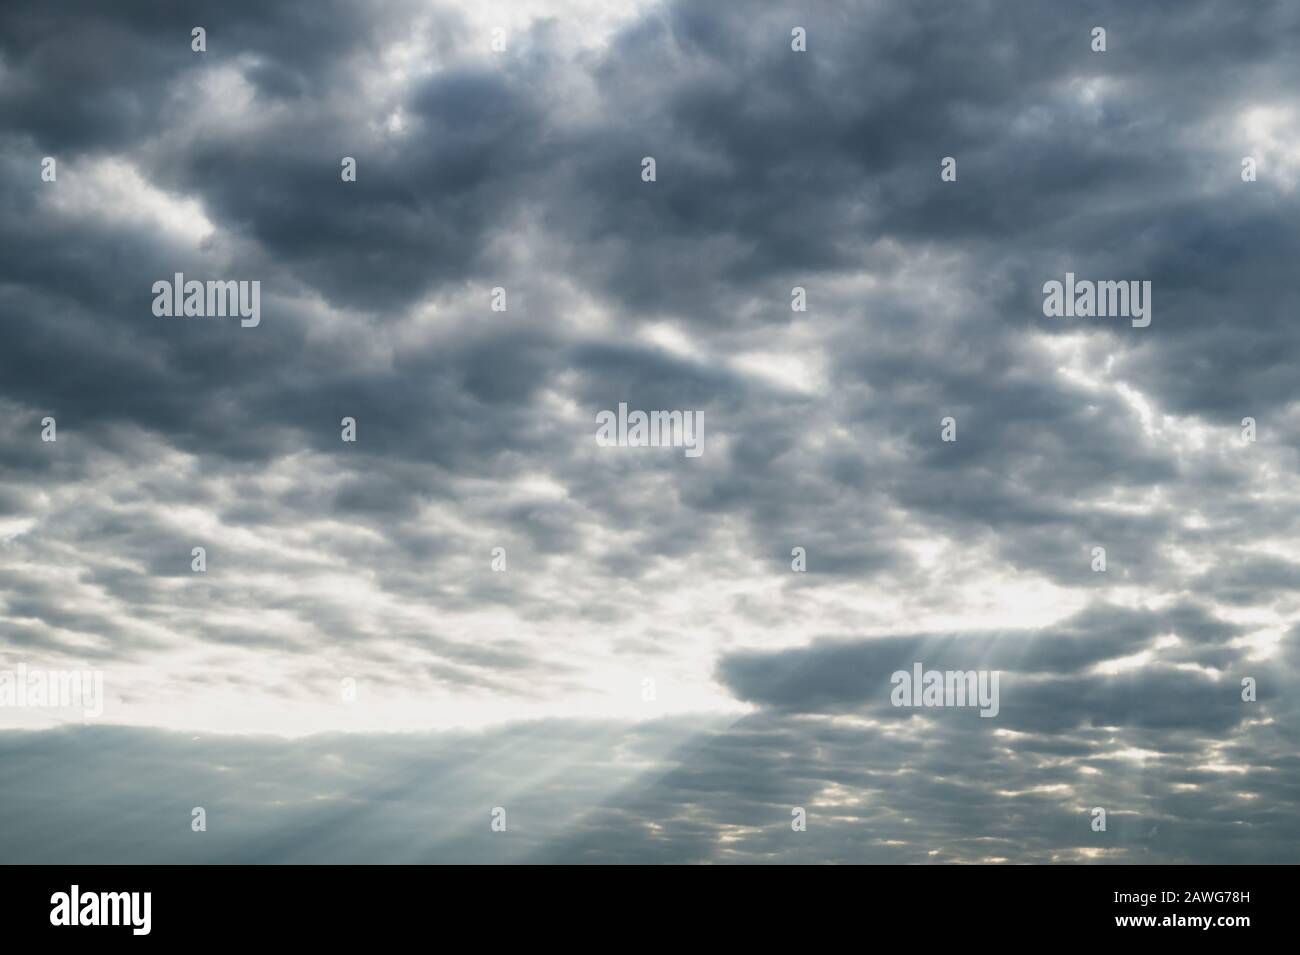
<point x="822" y="428"/>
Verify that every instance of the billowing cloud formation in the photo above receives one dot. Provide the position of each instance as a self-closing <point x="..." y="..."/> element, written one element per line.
<point x="521" y="169"/>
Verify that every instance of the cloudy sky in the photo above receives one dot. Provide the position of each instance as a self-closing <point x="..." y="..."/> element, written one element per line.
<point x="648" y="679"/>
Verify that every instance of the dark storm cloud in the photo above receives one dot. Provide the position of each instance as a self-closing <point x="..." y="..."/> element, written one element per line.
<point x="1046" y="670"/>
<point x="113" y="71"/>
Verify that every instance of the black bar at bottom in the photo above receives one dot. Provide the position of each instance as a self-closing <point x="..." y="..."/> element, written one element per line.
<point x="335" y="904"/>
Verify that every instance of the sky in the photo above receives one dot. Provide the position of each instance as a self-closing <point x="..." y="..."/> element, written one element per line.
<point x="476" y="605"/>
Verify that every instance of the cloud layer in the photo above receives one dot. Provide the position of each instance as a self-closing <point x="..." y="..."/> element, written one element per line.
<point x="372" y="561"/>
